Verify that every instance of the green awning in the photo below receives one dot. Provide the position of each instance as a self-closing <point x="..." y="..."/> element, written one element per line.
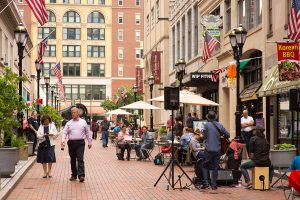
<point x="271" y="85"/>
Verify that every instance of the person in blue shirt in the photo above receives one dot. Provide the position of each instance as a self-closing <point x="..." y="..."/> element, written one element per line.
<point x="184" y="142"/>
<point x="117" y="129"/>
<point x="295" y="164"/>
<point x="146" y="143"/>
<point x="212" y="131"/>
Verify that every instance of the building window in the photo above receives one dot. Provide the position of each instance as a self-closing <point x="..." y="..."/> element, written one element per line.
<point x="157" y="10"/>
<point x="77" y="1"/>
<point x="95" y="92"/>
<point x="196" y="37"/>
<point x="270" y="30"/>
<point x="120" y="53"/>
<point x="101" y="2"/>
<point x="137" y="18"/>
<point x="71" y="69"/>
<point x="249" y="13"/>
<point x="95" y="69"/>
<point x="90" y="2"/>
<point x="120" y="2"/>
<point x="120" y="35"/>
<point x="120" y="18"/>
<point x="71" y="17"/>
<point x="71" y="50"/>
<point x="96" y="33"/>
<point x="178" y="40"/>
<point x="228" y="15"/>
<point x="152" y="18"/>
<point x="44" y="32"/>
<point x="96" y="17"/>
<point x="148" y="24"/>
<point x="52" y="1"/>
<point x="71" y="33"/>
<point x="96" y="51"/>
<point x="137" y="35"/>
<point x="183" y="38"/>
<point x="65" y="1"/>
<point x="120" y="70"/>
<point x="189" y="44"/>
<point x="138" y="53"/>
<point x="50" y="51"/>
<point x="21" y="1"/>
<point x="51" y="16"/>
<point x="173" y="47"/>
<point x="137" y="2"/>
<point x="47" y="68"/>
<point x="253" y="70"/>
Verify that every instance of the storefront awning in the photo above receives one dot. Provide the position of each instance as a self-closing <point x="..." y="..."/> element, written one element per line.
<point x="271" y="85"/>
<point x="249" y="93"/>
<point x="95" y="110"/>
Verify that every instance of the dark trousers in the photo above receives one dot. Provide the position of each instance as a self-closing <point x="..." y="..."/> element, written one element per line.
<point x="247" y="136"/>
<point x="33" y="138"/>
<point x="212" y="158"/>
<point x="104" y="137"/>
<point x="95" y="135"/>
<point x="123" y="147"/>
<point x="76" y="152"/>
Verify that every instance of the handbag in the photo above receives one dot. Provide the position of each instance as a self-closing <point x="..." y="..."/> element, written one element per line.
<point x="224" y="141"/>
<point x="43" y="145"/>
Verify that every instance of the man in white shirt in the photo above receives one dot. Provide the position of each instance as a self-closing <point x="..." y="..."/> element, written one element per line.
<point x="247" y="123"/>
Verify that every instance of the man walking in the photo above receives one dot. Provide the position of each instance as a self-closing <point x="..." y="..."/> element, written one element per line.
<point x="76" y="130"/>
<point x="212" y="131"/>
<point x="247" y="122"/>
<point x="104" y="129"/>
<point x="33" y="125"/>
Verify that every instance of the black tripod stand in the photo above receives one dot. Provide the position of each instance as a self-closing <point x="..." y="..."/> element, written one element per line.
<point x="171" y="164"/>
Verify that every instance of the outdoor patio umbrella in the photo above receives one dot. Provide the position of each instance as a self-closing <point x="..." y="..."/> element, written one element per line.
<point x="140" y="105"/>
<point x="187" y="97"/>
<point x="118" y="112"/>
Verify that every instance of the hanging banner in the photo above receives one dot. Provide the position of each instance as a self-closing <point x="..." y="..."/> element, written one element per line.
<point x="288" y="61"/>
<point x="139" y="79"/>
<point x="231" y="69"/>
<point x="155" y="66"/>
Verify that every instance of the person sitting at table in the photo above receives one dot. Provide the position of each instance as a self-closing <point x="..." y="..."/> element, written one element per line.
<point x="197" y="148"/>
<point x="117" y="129"/>
<point x="146" y="143"/>
<point x="184" y="142"/>
<point x="296" y="163"/>
<point x="122" y="144"/>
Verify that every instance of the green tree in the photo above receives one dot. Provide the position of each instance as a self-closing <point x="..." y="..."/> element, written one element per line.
<point x="124" y="96"/>
<point x="9" y="103"/>
<point x="54" y="114"/>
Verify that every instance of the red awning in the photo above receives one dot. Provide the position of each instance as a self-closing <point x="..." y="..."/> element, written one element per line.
<point x="95" y="110"/>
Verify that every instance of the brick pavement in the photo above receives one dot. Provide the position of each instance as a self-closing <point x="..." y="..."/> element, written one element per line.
<point x="108" y="178"/>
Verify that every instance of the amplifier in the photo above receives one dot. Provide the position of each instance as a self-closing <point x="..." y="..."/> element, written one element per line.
<point x="225" y="177"/>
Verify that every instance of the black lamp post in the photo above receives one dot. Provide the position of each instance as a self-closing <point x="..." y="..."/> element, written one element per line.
<point x="135" y="90"/>
<point x="47" y="81"/>
<point x="52" y="88"/>
<point x="55" y="100"/>
<point x="237" y="41"/>
<point x="180" y="72"/>
<point x="38" y="74"/>
<point x="151" y="83"/>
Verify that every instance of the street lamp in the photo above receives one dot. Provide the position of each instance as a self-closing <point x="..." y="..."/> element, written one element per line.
<point x="180" y="71"/>
<point x="55" y="100"/>
<point x="21" y="39"/>
<point x="38" y="72"/>
<point x="47" y="81"/>
<point x="237" y="40"/>
<point x="52" y="88"/>
<point x="135" y="90"/>
<point x="151" y="83"/>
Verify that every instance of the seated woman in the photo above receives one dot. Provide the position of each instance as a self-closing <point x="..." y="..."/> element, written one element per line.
<point x="122" y="144"/>
<point x="184" y="142"/>
<point x="234" y="154"/>
<point x="197" y="148"/>
<point x="295" y="175"/>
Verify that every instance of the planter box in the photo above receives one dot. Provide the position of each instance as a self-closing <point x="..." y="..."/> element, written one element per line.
<point x="282" y="158"/>
<point x="30" y="147"/>
<point x="23" y="151"/>
<point x="17" y="155"/>
<point x="8" y="160"/>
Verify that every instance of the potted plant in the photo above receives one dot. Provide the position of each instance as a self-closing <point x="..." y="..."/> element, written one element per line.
<point x="9" y="105"/>
<point x="163" y="133"/>
<point x="282" y="155"/>
<point x="20" y="143"/>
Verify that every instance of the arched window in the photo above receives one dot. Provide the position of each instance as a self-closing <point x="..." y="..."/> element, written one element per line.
<point x="96" y="17"/>
<point x="72" y="17"/>
<point x="51" y="16"/>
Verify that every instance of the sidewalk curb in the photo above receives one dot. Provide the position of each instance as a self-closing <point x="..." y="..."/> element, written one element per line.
<point x="16" y="179"/>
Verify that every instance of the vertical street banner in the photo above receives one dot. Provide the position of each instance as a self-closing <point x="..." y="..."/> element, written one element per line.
<point x="155" y="66"/>
<point x="139" y="79"/>
<point x="288" y="61"/>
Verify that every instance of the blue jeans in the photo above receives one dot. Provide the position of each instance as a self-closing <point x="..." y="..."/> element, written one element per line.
<point x="250" y="164"/>
<point x="104" y="137"/>
<point x="213" y="158"/>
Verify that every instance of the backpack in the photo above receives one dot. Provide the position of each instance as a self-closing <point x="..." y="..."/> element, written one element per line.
<point x="158" y="159"/>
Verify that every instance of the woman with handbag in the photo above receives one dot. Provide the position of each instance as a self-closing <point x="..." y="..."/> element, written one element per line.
<point x="46" y="134"/>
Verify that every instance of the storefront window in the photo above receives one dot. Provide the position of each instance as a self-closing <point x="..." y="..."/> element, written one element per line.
<point x="213" y="96"/>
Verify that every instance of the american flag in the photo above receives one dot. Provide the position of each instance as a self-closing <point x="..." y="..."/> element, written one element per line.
<point x="57" y="71"/>
<point x="215" y="75"/>
<point x="38" y="8"/>
<point x="41" y="50"/>
<point x="210" y="44"/>
<point x="294" y="21"/>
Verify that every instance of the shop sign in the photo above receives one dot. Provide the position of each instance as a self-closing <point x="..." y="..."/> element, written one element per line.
<point x="212" y="24"/>
<point x="139" y="79"/>
<point x="288" y="61"/>
<point x="155" y="66"/>
<point x="196" y="76"/>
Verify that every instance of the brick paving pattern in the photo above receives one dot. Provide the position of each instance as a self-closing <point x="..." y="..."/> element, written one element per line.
<point x="108" y="178"/>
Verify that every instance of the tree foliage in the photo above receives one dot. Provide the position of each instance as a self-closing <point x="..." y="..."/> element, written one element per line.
<point x="124" y="96"/>
<point x="54" y="114"/>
